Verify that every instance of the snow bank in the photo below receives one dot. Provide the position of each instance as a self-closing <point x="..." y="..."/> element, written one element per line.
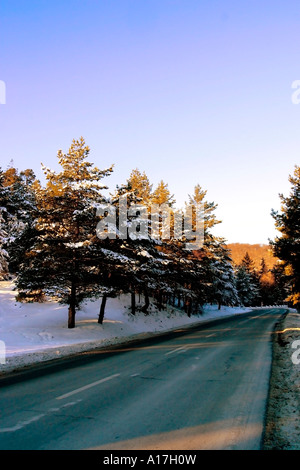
<point x="35" y="332"/>
<point x="283" y="414"/>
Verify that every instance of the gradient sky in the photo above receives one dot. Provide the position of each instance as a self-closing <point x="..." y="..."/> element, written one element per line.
<point x="189" y="91"/>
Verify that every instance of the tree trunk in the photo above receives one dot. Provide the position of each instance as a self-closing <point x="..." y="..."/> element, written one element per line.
<point x="189" y="311"/>
<point x="102" y="309"/>
<point x="147" y="302"/>
<point x="71" y="315"/>
<point x="133" y="302"/>
<point x="72" y="307"/>
<point x="160" y="301"/>
<point x="187" y="306"/>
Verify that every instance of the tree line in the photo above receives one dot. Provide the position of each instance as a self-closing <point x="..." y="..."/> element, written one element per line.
<point x="49" y="242"/>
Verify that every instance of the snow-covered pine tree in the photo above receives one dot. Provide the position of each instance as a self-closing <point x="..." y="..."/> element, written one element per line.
<point x="3" y="233"/>
<point x="62" y="261"/>
<point x="18" y="207"/>
<point x="249" y="265"/>
<point x="131" y="203"/>
<point x="162" y="195"/>
<point x="266" y="284"/>
<point x="15" y="211"/>
<point x="224" y="290"/>
<point x="4" y="271"/>
<point x="197" y="199"/>
<point x="22" y="216"/>
<point x="140" y="186"/>
<point x="287" y="246"/>
<point x="162" y="215"/>
<point x="282" y="289"/>
<point x="210" y="251"/>
<point x="148" y="271"/>
<point x="247" y="290"/>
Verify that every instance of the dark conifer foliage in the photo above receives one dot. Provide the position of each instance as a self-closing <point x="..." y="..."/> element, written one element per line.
<point x="61" y="261"/>
<point x="287" y="246"/>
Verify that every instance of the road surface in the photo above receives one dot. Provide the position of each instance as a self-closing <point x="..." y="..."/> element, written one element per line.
<point x="202" y="388"/>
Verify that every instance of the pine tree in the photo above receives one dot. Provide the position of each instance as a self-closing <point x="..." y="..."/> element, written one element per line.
<point x="224" y="289"/>
<point x="3" y="232"/>
<point x="140" y="185"/>
<point x="282" y="289"/>
<point x="161" y="195"/>
<point x="4" y="271"/>
<point x="263" y="270"/>
<point x="133" y="238"/>
<point x="65" y="258"/>
<point x="199" y="217"/>
<point x="19" y="200"/>
<point x="248" y="264"/>
<point x="198" y="199"/>
<point x="246" y="289"/>
<point x="287" y="246"/>
<point x="130" y="203"/>
<point x="266" y="284"/>
<point x="10" y="176"/>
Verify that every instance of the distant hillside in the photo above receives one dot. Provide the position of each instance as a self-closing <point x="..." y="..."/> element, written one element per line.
<point x="256" y="252"/>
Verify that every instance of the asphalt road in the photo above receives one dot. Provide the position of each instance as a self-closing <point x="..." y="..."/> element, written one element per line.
<point x="203" y="388"/>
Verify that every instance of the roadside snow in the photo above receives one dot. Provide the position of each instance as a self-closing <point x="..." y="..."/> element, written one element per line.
<point x="283" y="414"/>
<point x="34" y="332"/>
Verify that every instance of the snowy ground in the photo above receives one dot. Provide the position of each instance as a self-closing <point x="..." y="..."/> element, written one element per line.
<point x="38" y="331"/>
<point x="283" y="415"/>
<point x="35" y="332"/>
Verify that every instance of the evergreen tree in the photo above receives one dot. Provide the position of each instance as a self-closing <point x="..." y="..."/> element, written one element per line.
<point x="248" y="264"/>
<point x="4" y="271"/>
<point x="282" y="288"/>
<point x="132" y="202"/>
<point x="198" y="199"/>
<point x="65" y="257"/>
<point x="266" y="284"/>
<point x="287" y="246"/>
<point x="161" y="195"/>
<point x="19" y="200"/>
<point x="224" y="289"/>
<point x="246" y="289"/>
<point x="140" y="185"/>
<point x="11" y="175"/>
<point x="263" y="271"/>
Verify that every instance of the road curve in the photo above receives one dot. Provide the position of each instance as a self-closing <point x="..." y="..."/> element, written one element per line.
<point x="203" y="388"/>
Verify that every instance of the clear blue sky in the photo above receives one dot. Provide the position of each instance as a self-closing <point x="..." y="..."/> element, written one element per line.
<point x="188" y="91"/>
